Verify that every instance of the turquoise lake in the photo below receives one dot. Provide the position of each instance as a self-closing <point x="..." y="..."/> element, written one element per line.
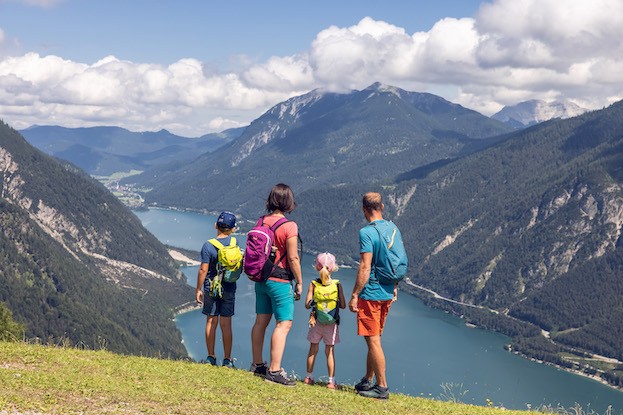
<point x="425" y="348"/>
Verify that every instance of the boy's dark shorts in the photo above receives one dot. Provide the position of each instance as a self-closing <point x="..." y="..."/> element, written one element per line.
<point x="224" y="306"/>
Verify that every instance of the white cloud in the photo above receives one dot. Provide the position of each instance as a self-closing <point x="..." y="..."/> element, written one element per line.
<point x="509" y="52"/>
<point x="221" y="124"/>
<point x="347" y="58"/>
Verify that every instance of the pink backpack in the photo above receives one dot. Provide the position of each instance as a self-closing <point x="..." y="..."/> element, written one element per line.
<point x="260" y="252"/>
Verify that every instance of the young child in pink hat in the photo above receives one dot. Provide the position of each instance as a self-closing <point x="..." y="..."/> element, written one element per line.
<point x="325" y="297"/>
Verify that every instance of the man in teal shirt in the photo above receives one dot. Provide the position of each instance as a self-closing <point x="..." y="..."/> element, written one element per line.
<point x="371" y="300"/>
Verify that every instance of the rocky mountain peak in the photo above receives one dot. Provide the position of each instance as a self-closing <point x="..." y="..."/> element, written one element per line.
<point x="527" y="113"/>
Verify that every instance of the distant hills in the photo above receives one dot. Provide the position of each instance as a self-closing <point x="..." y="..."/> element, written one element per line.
<point x="102" y="151"/>
<point x="76" y="264"/>
<point x="528" y="113"/>
<point x="323" y="139"/>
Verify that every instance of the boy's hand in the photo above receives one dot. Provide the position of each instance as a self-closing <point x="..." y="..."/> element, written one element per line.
<point x="199" y="296"/>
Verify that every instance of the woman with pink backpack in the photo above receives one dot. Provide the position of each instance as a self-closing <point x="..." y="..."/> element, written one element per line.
<point x="272" y="261"/>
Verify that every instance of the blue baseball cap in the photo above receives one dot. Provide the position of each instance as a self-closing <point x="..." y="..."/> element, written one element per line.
<point x="226" y="220"/>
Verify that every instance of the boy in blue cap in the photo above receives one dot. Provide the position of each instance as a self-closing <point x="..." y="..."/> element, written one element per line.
<point x="218" y="307"/>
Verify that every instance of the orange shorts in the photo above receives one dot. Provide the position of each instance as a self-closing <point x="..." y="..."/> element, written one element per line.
<point x="371" y="316"/>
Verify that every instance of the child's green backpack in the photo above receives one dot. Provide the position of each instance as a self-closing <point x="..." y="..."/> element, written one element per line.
<point x="229" y="260"/>
<point x="326" y="301"/>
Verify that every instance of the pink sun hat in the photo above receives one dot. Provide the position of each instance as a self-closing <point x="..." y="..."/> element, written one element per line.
<point x="326" y="260"/>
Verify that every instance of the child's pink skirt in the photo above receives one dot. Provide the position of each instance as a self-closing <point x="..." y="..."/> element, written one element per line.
<point x="329" y="333"/>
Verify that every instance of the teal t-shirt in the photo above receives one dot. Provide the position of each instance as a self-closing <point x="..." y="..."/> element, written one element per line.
<point x="373" y="290"/>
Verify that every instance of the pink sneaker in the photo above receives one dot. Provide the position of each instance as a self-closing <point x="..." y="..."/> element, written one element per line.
<point x="308" y="381"/>
<point x="331" y="385"/>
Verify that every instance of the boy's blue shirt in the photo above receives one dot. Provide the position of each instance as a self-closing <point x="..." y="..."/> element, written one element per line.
<point x="373" y="290"/>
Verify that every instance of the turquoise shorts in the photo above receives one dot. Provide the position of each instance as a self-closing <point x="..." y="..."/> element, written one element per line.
<point x="272" y="297"/>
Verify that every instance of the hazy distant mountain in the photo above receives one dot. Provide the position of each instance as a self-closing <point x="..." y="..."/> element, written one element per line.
<point x="532" y="112"/>
<point x="105" y="150"/>
<point x="77" y="264"/>
<point x="320" y="139"/>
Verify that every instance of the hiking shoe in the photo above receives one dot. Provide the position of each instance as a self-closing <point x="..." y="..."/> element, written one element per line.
<point x="377" y="392"/>
<point x="211" y="360"/>
<point x="228" y="363"/>
<point x="332" y="385"/>
<point x="308" y="381"/>
<point x="259" y="370"/>
<point x="280" y="377"/>
<point x="364" y="385"/>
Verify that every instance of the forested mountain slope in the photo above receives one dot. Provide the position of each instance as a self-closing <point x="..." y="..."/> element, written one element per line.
<point x="76" y="263"/>
<point x="531" y="227"/>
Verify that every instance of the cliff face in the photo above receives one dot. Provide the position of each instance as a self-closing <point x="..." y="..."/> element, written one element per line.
<point x="576" y="224"/>
<point x="76" y="263"/>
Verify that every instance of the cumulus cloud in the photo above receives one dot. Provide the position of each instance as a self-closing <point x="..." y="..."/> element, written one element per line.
<point x="508" y="52"/>
<point x="38" y="89"/>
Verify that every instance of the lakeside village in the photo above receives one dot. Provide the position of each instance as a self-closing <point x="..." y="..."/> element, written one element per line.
<point x="127" y="194"/>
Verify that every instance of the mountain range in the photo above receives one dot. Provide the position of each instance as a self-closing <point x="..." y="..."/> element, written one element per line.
<point x="528" y="113"/>
<point x="102" y="151"/>
<point x="76" y="265"/>
<point x="323" y="139"/>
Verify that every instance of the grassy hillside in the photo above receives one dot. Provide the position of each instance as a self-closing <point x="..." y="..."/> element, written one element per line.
<point x="50" y="380"/>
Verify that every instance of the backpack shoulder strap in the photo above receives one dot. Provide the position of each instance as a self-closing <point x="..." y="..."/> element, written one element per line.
<point x="376" y="228"/>
<point x="279" y="223"/>
<point x="390" y="225"/>
<point x="217" y="244"/>
<point x="232" y="241"/>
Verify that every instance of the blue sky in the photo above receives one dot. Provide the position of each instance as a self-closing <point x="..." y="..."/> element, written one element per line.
<point x="213" y="31"/>
<point x="202" y="66"/>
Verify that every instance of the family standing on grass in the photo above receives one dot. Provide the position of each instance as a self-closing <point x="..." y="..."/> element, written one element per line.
<point x="279" y="283"/>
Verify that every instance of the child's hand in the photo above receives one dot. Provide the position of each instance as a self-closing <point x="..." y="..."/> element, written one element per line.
<point x="199" y="296"/>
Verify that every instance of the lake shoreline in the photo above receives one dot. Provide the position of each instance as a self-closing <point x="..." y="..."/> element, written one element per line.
<point x="525" y="356"/>
<point x="572" y="371"/>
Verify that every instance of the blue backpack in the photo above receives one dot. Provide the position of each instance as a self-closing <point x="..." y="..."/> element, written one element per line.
<point x="390" y="265"/>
